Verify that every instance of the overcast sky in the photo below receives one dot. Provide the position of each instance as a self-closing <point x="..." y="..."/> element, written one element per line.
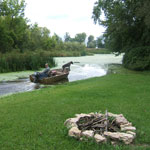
<point x="61" y="16"/>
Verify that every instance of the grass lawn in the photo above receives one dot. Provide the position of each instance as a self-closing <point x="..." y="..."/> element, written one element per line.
<point x="35" y="120"/>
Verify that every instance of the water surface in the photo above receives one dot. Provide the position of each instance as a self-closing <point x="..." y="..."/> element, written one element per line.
<point x="89" y="66"/>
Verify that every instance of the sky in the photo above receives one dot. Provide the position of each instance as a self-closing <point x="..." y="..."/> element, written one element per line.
<point x="61" y="16"/>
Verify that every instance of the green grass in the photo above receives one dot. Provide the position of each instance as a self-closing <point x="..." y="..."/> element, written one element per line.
<point x="35" y="120"/>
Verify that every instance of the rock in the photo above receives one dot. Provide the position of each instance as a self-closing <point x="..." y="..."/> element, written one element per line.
<point x="130" y="128"/>
<point x="99" y="138"/>
<point x="114" y="142"/>
<point x="126" y="138"/>
<point x="69" y="123"/>
<point x="92" y="114"/>
<point x="82" y="115"/>
<point x="98" y="115"/>
<point x="126" y="125"/>
<point x="133" y="133"/>
<point x="88" y="133"/>
<point x="113" y="115"/>
<point x="74" y="132"/>
<point x="121" y="120"/>
<point x="112" y="135"/>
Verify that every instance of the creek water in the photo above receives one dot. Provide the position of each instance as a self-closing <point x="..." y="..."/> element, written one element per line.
<point x="84" y="67"/>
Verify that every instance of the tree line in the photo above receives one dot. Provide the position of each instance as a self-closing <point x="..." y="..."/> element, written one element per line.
<point x="25" y="46"/>
<point x="17" y="33"/>
<point x="81" y="38"/>
<point x="34" y="44"/>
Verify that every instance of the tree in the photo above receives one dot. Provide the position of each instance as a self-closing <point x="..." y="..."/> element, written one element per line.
<point x="125" y="21"/>
<point x="50" y="43"/>
<point x="36" y="35"/>
<point x="58" y="39"/>
<point x="127" y="24"/>
<point x="45" y="33"/>
<point x="80" y="37"/>
<point x="13" y="22"/>
<point x="90" y="38"/>
<point x="91" y="42"/>
<point x="100" y="42"/>
<point x="12" y="8"/>
<point x="67" y="37"/>
<point x="6" y="41"/>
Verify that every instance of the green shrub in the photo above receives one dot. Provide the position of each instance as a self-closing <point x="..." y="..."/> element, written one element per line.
<point x="137" y="59"/>
<point x="73" y="46"/>
<point x="83" y="53"/>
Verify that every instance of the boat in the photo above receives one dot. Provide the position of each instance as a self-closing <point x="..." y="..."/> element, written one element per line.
<point x="57" y="75"/>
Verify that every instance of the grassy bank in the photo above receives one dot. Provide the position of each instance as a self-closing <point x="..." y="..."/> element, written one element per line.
<point x="35" y="120"/>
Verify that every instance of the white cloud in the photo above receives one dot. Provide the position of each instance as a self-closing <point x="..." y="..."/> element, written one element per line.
<point x="60" y="16"/>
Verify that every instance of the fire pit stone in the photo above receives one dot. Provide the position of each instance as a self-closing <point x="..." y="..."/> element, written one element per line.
<point x="99" y="138"/>
<point x="88" y="133"/>
<point x="74" y="132"/>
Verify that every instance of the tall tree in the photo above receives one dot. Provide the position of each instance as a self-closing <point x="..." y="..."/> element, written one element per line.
<point x="58" y="39"/>
<point x="91" y="43"/>
<point x="90" y="38"/>
<point x="67" y="37"/>
<point x="80" y="37"/>
<point x="100" y="42"/>
<point x="6" y="41"/>
<point x="127" y="25"/>
<point x="12" y="17"/>
<point x="12" y="8"/>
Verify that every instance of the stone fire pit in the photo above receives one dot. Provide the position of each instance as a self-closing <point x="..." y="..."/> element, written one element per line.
<point x="101" y="127"/>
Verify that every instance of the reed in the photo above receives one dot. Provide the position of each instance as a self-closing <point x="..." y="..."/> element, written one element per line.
<point x="11" y="62"/>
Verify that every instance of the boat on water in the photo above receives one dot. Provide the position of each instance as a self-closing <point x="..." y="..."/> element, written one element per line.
<point x="55" y="75"/>
<point x="58" y="75"/>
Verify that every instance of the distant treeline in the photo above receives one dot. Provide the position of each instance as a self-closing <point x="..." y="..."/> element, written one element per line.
<point x="16" y="33"/>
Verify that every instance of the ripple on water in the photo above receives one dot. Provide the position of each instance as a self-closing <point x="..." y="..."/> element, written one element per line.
<point x="15" y="87"/>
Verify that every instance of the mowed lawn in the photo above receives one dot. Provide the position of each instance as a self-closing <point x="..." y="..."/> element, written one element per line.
<point x="35" y="120"/>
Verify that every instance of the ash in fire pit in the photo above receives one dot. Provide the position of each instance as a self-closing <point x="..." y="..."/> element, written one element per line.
<point x="101" y="127"/>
